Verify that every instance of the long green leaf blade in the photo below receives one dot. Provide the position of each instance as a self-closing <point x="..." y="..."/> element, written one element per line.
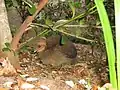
<point x="117" y="24"/>
<point x="108" y="41"/>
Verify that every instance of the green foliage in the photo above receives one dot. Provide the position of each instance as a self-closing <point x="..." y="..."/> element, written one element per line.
<point x="24" y="7"/>
<point x="7" y="47"/>
<point x="117" y="24"/>
<point x="76" y="4"/>
<point x="31" y="6"/>
<point x="32" y="9"/>
<point x="25" y="48"/>
<point x="108" y="41"/>
<point x="72" y="8"/>
<point x="51" y="25"/>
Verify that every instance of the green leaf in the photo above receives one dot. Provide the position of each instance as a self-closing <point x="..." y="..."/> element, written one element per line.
<point x="107" y="32"/>
<point x="31" y="6"/>
<point x="6" y="49"/>
<point x="24" y="48"/>
<point x="117" y="27"/>
<point x="7" y="45"/>
<point x="48" y="21"/>
<point x="32" y="9"/>
<point x="82" y="21"/>
<point x="77" y="4"/>
<point x="72" y="8"/>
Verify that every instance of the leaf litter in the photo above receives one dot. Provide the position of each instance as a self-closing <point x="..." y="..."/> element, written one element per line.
<point x="89" y="73"/>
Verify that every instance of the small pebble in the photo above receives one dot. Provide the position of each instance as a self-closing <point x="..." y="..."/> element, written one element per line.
<point x="44" y="87"/>
<point x="8" y="84"/>
<point x="31" y="79"/>
<point x="82" y="81"/>
<point x="70" y="83"/>
<point x="27" y="86"/>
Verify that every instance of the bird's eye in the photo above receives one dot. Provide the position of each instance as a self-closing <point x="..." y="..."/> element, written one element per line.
<point x="0" y="64"/>
<point x="39" y="46"/>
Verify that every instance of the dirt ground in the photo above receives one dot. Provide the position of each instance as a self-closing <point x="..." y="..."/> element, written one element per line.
<point x="90" y="71"/>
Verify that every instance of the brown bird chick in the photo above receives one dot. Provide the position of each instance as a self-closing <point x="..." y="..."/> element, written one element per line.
<point x="53" y="53"/>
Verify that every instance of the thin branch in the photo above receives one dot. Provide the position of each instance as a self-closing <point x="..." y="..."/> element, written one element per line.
<point x="84" y="26"/>
<point x="82" y="38"/>
<point x="68" y="26"/>
<point x="77" y="17"/>
<point x="33" y="38"/>
<point x="26" y="23"/>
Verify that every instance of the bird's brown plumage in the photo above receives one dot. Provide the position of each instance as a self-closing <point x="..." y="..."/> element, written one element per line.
<point x="56" y="54"/>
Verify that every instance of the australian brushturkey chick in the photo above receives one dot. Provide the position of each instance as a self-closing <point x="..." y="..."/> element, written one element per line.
<point x="53" y="53"/>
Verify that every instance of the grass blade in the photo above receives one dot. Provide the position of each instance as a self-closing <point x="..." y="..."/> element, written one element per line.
<point x="108" y="41"/>
<point x="117" y="24"/>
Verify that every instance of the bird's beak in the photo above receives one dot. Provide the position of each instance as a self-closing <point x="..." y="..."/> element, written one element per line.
<point x="42" y="48"/>
<point x="41" y="45"/>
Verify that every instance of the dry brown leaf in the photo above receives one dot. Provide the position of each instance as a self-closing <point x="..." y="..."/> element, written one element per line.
<point x="7" y="68"/>
<point x="3" y="89"/>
